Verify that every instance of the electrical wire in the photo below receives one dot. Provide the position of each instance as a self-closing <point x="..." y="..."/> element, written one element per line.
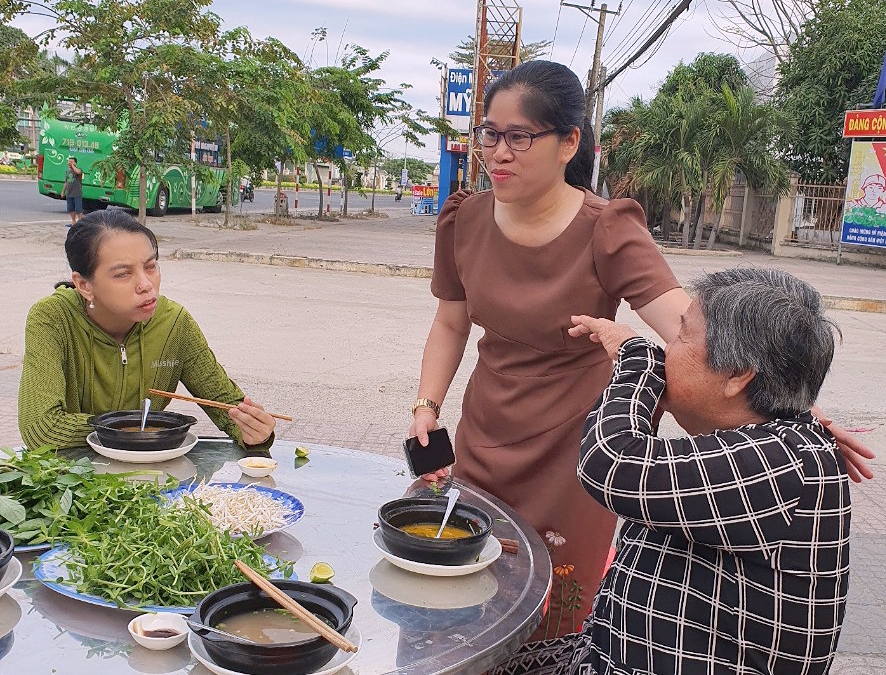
<point x="556" y="28"/>
<point x="639" y="36"/>
<point x="643" y="29"/>
<point x="614" y="25"/>
<point x="638" y="27"/>
<point x="578" y="43"/>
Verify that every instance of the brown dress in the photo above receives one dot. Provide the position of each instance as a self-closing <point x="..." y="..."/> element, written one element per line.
<point x="526" y="402"/>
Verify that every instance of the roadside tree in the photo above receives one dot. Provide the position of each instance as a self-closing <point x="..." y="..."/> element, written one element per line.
<point x="833" y="66"/>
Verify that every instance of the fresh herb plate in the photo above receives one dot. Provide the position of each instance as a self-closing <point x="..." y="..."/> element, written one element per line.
<point x="295" y="507"/>
<point x="51" y="570"/>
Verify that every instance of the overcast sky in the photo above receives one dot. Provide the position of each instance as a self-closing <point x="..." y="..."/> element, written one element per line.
<point x="415" y="31"/>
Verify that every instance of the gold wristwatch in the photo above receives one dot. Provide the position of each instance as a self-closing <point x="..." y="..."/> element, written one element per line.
<point x="426" y="403"/>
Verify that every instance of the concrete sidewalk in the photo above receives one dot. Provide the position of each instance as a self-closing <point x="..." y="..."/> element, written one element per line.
<point x="331" y="325"/>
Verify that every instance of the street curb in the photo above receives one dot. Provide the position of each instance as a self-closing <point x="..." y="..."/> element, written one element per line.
<point x="381" y="269"/>
<point x="420" y="272"/>
<point x="667" y="250"/>
<point x="854" y="304"/>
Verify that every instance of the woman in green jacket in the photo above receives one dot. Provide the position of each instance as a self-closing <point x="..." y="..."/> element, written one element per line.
<point x="100" y="345"/>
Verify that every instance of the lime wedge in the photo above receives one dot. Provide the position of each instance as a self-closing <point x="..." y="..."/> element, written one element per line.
<point x="302" y="451"/>
<point x="321" y="573"/>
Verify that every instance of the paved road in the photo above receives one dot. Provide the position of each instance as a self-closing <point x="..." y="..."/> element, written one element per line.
<point x="341" y="350"/>
<point x="21" y="202"/>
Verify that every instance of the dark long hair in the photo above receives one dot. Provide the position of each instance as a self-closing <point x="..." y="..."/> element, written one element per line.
<point x="84" y="238"/>
<point x="552" y="95"/>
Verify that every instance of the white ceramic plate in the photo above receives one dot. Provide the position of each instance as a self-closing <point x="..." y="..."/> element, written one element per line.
<point x="339" y="661"/>
<point x="488" y="555"/>
<point x="11" y="575"/>
<point x="142" y="456"/>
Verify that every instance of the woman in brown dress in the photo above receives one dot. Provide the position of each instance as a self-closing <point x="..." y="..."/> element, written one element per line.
<point x="519" y="261"/>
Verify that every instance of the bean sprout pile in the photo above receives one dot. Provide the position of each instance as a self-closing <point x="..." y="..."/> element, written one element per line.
<point x="241" y="512"/>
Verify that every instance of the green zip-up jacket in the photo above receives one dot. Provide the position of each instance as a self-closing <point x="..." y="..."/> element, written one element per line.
<point x="72" y="370"/>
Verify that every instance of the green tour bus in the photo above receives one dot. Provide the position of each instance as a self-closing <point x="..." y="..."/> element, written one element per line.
<point x="60" y="139"/>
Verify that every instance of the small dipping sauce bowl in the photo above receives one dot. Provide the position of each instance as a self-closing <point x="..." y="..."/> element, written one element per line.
<point x="257" y="467"/>
<point x="158" y="631"/>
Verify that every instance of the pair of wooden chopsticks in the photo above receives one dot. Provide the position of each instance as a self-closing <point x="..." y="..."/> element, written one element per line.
<point x="296" y="609"/>
<point x="206" y="402"/>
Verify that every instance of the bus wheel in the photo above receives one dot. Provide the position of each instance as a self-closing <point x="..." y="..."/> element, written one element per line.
<point x="219" y="204"/>
<point x="94" y="205"/>
<point x="162" y="205"/>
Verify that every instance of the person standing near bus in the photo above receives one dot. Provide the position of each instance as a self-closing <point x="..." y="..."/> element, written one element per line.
<point x="73" y="190"/>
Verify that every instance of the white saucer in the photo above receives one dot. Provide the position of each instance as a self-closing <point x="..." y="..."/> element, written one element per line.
<point x="339" y="661"/>
<point x="142" y="456"/>
<point x="11" y="575"/>
<point x="488" y="555"/>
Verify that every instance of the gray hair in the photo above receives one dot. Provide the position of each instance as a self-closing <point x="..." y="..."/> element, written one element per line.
<point x="768" y="321"/>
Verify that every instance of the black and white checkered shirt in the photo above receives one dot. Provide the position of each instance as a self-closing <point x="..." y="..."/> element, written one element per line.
<point x="734" y="554"/>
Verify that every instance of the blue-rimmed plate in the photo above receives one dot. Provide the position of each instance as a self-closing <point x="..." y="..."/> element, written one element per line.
<point x="29" y="548"/>
<point x="294" y="506"/>
<point x="51" y="570"/>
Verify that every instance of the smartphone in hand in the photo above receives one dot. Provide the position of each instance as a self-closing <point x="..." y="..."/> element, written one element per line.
<point x="426" y="459"/>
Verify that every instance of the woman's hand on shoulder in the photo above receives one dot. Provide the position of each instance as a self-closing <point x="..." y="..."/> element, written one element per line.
<point x="855" y="453"/>
<point x="256" y="426"/>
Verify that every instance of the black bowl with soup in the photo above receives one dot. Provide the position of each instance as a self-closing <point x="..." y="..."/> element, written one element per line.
<point x="121" y="429"/>
<point x="7" y="546"/>
<point x="409" y="525"/>
<point x="287" y="646"/>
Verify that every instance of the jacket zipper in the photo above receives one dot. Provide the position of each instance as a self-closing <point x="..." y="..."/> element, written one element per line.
<point x="123" y="354"/>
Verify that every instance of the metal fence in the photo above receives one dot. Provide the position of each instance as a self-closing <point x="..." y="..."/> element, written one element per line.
<point x="818" y="215"/>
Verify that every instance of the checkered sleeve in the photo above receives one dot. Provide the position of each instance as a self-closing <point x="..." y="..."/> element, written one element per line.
<point x="734" y="489"/>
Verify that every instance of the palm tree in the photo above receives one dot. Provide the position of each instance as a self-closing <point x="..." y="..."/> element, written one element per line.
<point x="745" y="132"/>
<point x="668" y="151"/>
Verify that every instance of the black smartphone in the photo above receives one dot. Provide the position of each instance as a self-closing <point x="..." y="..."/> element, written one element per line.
<point x="426" y="459"/>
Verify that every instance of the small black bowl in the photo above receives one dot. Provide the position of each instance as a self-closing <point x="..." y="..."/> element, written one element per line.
<point x="109" y="428"/>
<point x="7" y="546"/>
<point x="409" y="511"/>
<point x="290" y="658"/>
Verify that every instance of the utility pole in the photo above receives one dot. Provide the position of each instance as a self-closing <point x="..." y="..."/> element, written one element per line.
<point x="598" y="130"/>
<point x="595" y="80"/>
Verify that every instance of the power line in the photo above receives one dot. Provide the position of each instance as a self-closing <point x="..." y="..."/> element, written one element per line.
<point x="581" y="35"/>
<point x="556" y="28"/>
<point x="640" y="33"/>
<point x="646" y="20"/>
<point x="611" y="29"/>
<point x="679" y="9"/>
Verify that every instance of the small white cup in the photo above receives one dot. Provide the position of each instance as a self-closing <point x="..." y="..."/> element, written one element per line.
<point x="144" y="623"/>
<point x="257" y="467"/>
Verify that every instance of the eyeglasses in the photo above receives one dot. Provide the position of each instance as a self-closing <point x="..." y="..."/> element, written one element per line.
<point x="516" y="139"/>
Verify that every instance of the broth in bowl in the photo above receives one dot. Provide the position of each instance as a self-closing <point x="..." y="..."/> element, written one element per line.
<point x="269" y="626"/>
<point x="429" y="531"/>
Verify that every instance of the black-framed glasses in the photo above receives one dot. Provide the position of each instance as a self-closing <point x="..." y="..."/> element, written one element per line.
<point x="517" y="139"/>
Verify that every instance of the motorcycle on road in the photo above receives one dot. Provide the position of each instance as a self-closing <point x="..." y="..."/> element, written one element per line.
<point x="247" y="193"/>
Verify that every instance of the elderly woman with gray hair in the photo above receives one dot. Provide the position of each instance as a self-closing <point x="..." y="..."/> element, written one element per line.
<point x="734" y="552"/>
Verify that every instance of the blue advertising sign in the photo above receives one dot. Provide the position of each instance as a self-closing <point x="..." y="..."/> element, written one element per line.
<point x="864" y="211"/>
<point x="459" y="92"/>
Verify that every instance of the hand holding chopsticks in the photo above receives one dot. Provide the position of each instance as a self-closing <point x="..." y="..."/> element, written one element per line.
<point x="296" y="609"/>
<point x="207" y="403"/>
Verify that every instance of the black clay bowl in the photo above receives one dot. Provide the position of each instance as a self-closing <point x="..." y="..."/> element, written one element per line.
<point x="7" y="545"/>
<point x="331" y="604"/>
<point x="168" y="429"/>
<point x="394" y="515"/>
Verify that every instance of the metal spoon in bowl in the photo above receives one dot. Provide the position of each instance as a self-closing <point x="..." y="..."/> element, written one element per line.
<point x="453" y="496"/>
<point x="146" y="406"/>
<point x="196" y="625"/>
